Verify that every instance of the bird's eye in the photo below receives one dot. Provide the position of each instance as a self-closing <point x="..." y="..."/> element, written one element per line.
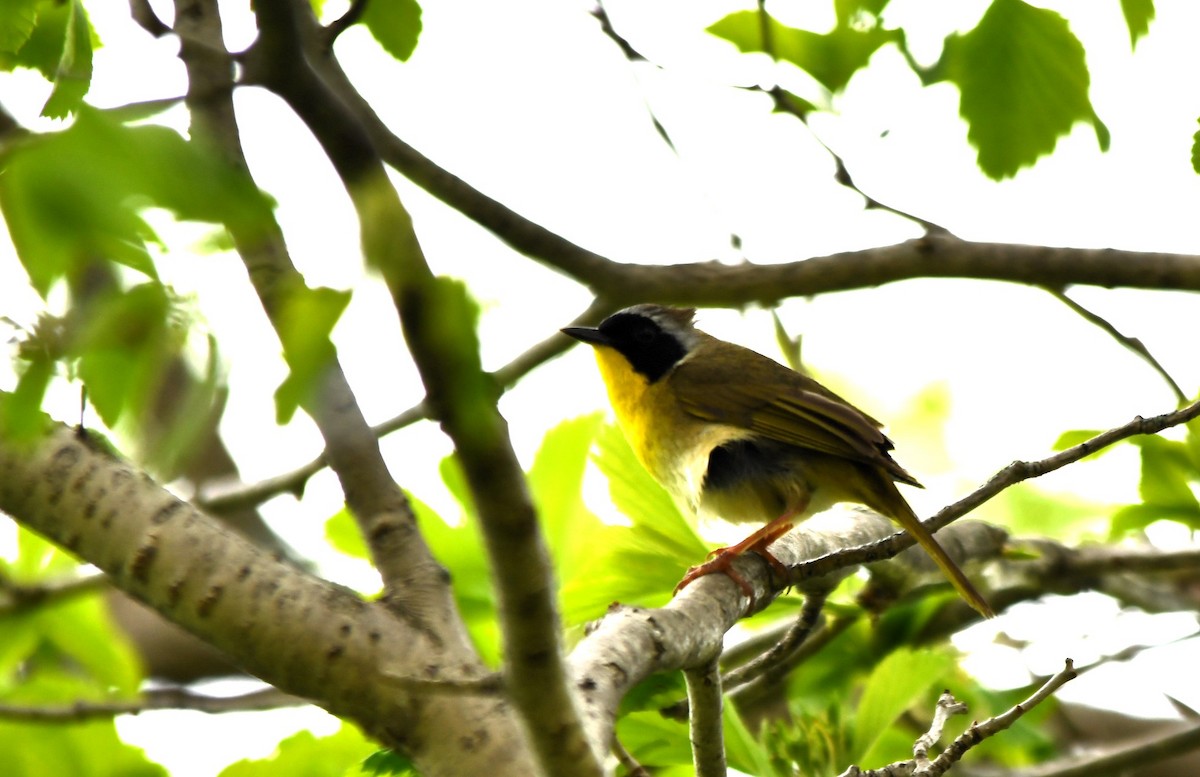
<point x="644" y="336"/>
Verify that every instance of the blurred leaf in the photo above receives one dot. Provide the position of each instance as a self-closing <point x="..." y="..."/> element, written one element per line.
<point x="1029" y="510"/>
<point x="21" y="418"/>
<point x="38" y="558"/>
<point x="396" y="24"/>
<point x="383" y="763"/>
<point x="831" y="58"/>
<point x="83" y="631"/>
<point x="55" y="38"/>
<point x="655" y="692"/>
<point x="1167" y="472"/>
<point x="73" y="76"/>
<point x="72" y="197"/>
<point x="655" y="741"/>
<point x="903" y="678"/>
<point x="304" y="753"/>
<point x="342" y="533"/>
<point x="1138" y="15"/>
<point x="165" y="451"/>
<point x="1078" y="437"/>
<point x="305" y="324"/>
<point x="17" y="19"/>
<point x="808" y="743"/>
<point x="743" y="750"/>
<point x="460" y="549"/>
<point x="126" y="341"/>
<point x="556" y="485"/>
<point x="1023" y="82"/>
<point x="1196" y="151"/>
<point x="1135" y="518"/>
<point x="640" y="563"/>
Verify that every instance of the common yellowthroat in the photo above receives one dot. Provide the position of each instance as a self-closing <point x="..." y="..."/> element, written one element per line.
<point x="734" y="434"/>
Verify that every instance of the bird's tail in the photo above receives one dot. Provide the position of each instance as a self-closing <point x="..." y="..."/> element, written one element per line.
<point x="892" y="503"/>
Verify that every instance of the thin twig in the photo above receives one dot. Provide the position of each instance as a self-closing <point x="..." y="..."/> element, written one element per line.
<point x="796" y="635"/>
<point x="946" y="707"/>
<point x="1014" y="473"/>
<point x="705" y="728"/>
<point x="344" y="22"/>
<point x="1123" y="759"/>
<point x="158" y="699"/>
<point x="626" y="759"/>
<point x="1132" y="343"/>
<point x="992" y="726"/>
<point x="15" y="597"/>
<point x="147" y="19"/>
<point x="507" y="376"/>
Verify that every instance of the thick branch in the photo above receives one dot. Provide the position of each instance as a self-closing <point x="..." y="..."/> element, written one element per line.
<point x="304" y="635"/>
<point x="413" y="579"/>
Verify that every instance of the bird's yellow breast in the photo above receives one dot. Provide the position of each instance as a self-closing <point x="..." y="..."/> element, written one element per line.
<point x="671" y="444"/>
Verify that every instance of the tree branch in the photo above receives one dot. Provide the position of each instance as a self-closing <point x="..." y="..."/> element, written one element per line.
<point x="438" y="327"/>
<point x="706" y="727"/>
<point x="16" y="597"/>
<point x="413" y="580"/>
<point x="148" y="701"/>
<point x="992" y="726"/>
<point x="301" y="634"/>
<point x="1121" y="759"/>
<point x="1014" y="473"/>
<point x="1131" y="343"/>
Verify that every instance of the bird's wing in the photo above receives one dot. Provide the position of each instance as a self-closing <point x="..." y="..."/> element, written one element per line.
<point x="780" y="404"/>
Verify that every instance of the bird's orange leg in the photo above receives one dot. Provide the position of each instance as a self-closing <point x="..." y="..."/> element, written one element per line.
<point x="721" y="559"/>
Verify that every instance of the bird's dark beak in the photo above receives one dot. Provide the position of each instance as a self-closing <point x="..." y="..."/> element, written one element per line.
<point x="587" y="334"/>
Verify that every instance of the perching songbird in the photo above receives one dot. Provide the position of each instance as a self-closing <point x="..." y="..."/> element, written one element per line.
<point x="734" y="434"/>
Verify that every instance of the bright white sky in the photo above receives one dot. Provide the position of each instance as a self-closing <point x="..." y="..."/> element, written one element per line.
<point x="531" y="104"/>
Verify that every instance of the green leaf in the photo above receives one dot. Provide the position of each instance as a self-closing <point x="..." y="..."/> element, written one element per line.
<point x="73" y="76"/>
<point x="306" y="754"/>
<point x="1077" y="437"/>
<point x="72" y="197"/>
<point x="306" y="321"/>
<point x="342" y="533"/>
<point x="17" y="19"/>
<point x="38" y="558"/>
<point x="831" y="58"/>
<point x="125" y="344"/>
<point x="742" y="749"/>
<point x="460" y="549"/>
<point x="640" y="563"/>
<point x="556" y="485"/>
<point x="655" y="741"/>
<point x="396" y="24"/>
<point x="1135" y="518"/>
<point x="21" y="418"/>
<point x="1166" y="472"/>
<point x="82" y="629"/>
<point x="1138" y="15"/>
<point x="385" y="763"/>
<point x="1024" y="83"/>
<point x="1029" y="510"/>
<point x="900" y="680"/>
<point x="1196" y="151"/>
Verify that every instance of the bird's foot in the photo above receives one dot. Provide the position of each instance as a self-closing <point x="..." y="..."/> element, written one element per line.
<point x="721" y="560"/>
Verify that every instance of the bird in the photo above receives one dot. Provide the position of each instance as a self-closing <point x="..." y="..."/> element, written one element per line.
<point x="734" y="434"/>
